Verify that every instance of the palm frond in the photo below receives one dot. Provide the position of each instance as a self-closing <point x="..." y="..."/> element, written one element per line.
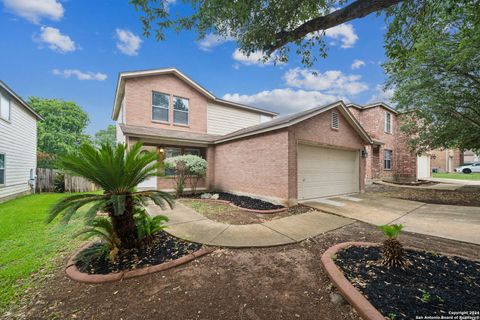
<point x="76" y="201"/>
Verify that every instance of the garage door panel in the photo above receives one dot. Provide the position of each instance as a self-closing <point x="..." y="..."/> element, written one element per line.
<point x="325" y="172"/>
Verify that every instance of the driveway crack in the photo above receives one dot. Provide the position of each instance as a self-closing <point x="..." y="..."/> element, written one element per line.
<point x="406" y="214"/>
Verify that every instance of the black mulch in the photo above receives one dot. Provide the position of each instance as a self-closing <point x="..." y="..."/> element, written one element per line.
<point x="247" y="202"/>
<point x="433" y="285"/>
<point x="163" y="248"/>
<point x="242" y="201"/>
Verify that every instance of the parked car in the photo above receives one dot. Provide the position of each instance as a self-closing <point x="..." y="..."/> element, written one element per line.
<point x="469" y="168"/>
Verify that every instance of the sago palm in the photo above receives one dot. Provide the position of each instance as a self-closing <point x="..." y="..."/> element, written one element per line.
<point x="393" y="253"/>
<point x="117" y="170"/>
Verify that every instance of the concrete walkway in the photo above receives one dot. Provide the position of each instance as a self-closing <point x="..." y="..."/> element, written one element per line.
<point x="446" y="221"/>
<point x="187" y="224"/>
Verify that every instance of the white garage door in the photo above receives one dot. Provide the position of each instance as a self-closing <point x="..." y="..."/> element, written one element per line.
<point x="326" y="172"/>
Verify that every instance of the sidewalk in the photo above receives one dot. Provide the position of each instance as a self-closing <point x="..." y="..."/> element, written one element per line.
<point x="187" y="224"/>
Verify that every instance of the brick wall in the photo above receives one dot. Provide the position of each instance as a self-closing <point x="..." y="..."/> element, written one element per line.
<point x="255" y="165"/>
<point x="404" y="162"/>
<point x="138" y="102"/>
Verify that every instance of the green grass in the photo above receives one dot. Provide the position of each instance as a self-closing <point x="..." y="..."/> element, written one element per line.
<point x="204" y="207"/>
<point x="29" y="248"/>
<point x="460" y="176"/>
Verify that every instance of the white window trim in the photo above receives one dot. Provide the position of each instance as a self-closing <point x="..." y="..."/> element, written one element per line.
<point x="385" y="159"/>
<point x="388" y="122"/>
<point x="187" y="112"/>
<point x="9" y="107"/>
<point x="334" y="113"/>
<point x="4" y="169"/>
<point x="162" y="107"/>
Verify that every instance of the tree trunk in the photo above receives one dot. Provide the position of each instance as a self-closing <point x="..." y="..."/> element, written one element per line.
<point x="126" y="230"/>
<point x="124" y="226"/>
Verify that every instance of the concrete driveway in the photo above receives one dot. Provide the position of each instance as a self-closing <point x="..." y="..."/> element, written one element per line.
<point x="451" y="222"/>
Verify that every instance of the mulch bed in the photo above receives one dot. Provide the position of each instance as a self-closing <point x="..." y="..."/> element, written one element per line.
<point x="247" y="202"/>
<point x="465" y="196"/>
<point x="433" y="285"/>
<point x="241" y="201"/>
<point x="411" y="183"/>
<point x="163" y="248"/>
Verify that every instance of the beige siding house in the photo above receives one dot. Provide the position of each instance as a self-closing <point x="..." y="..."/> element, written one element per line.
<point x="18" y="144"/>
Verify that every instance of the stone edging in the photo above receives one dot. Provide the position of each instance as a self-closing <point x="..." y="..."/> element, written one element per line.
<point x="240" y="208"/>
<point x="74" y="274"/>
<point x="364" y="308"/>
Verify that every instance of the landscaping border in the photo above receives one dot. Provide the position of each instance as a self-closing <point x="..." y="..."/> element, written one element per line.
<point x="240" y="208"/>
<point x="364" y="308"/>
<point x="73" y="273"/>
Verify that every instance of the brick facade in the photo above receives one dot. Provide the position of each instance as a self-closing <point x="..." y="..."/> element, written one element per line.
<point x="404" y="162"/>
<point x="138" y="102"/>
<point x="266" y="165"/>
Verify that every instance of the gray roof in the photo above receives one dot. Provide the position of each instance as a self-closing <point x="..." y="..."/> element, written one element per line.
<point x="20" y="100"/>
<point x="274" y="124"/>
<point x="278" y="121"/>
<point x="168" y="134"/>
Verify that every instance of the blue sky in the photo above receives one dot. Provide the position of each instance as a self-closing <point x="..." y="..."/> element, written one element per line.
<point x="73" y="50"/>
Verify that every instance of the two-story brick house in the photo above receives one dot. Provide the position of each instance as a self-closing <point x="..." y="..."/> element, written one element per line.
<point x="388" y="155"/>
<point x="319" y="152"/>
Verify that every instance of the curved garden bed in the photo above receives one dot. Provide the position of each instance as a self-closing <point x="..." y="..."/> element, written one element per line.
<point x="433" y="284"/>
<point x="246" y="203"/>
<point x="163" y="253"/>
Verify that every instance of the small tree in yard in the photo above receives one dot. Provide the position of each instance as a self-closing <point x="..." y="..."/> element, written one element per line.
<point x="117" y="170"/>
<point x="189" y="167"/>
<point x="393" y="253"/>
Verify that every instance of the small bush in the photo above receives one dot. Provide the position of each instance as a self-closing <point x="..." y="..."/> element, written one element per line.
<point x="148" y="226"/>
<point x="187" y="167"/>
<point x="59" y="183"/>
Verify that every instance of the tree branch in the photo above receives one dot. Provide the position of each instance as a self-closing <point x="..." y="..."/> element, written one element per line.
<point x="355" y="10"/>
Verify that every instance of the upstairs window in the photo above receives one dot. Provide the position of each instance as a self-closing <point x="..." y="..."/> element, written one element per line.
<point x="335" y="120"/>
<point x="160" y="106"/>
<point x="388" y="122"/>
<point x="180" y="110"/>
<point x="387" y="159"/>
<point x="2" y="169"/>
<point x="4" y="108"/>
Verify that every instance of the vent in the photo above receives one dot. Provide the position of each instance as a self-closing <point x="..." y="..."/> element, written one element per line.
<point x="335" y="120"/>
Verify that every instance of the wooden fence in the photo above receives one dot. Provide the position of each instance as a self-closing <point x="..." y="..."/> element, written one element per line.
<point x="46" y="182"/>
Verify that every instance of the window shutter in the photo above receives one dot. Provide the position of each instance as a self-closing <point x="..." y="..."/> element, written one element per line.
<point x="335" y="120"/>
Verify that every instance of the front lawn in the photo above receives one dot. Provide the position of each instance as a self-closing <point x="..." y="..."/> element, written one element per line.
<point x="460" y="176"/>
<point x="28" y="246"/>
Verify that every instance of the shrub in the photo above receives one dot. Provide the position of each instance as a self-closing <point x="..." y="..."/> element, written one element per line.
<point x="189" y="167"/>
<point x="148" y="226"/>
<point x="59" y="182"/>
<point x="103" y="229"/>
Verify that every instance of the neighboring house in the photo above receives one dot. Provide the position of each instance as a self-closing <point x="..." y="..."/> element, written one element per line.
<point x="315" y="153"/>
<point x="18" y="144"/>
<point x="446" y="160"/>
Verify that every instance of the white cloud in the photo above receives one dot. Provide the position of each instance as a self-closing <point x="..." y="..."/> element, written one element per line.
<point x="304" y="90"/>
<point x="55" y="40"/>
<point x="128" y="43"/>
<point x="332" y="81"/>
<point x="357" y="64"/>
<point x="255" y="58"/>
<point x="212" y="40"/>
<point x="35" y="10"/>
<point x="67" y="73"/>
<point x="382" y="95"/>
<point x="285" y="100"/>
<point x="345" y="33"/>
